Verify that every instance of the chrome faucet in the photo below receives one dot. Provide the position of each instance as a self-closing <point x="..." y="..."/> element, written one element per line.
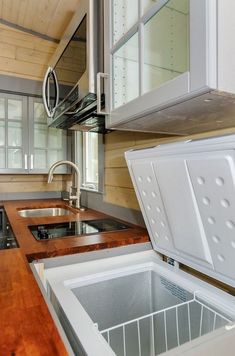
<point x="77" y="186"/>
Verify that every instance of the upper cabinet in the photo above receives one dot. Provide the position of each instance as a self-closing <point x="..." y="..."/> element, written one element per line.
<point x="13" y="133"/>
<point x="27" y="145"/>
<point x="47" y="144"/>
<point x="158" y="55"/>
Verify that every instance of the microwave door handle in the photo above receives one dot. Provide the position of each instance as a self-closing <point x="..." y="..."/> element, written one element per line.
<point x="45" y="92"/>
<point x="56" y="90"/>
<point x="98" y="91"/>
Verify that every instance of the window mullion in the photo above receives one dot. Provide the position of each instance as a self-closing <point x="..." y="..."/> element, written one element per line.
<point x="84" y="157"/>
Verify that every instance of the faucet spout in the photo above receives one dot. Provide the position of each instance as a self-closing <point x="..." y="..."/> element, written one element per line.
<point x="77" y="180"/>
<point x="50" y="176"/>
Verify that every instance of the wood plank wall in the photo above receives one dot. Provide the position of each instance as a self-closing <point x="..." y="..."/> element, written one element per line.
<point x="118" y="186"/>
<point x="50" y="17"/>
<point x="24" y="55"/>
<point x="22" y="183"/>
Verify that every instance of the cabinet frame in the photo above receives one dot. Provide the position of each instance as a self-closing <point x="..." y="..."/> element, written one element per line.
<point x="27" y="146"/>
<point x="24" y="147"/>
<point x="202" y="74"/>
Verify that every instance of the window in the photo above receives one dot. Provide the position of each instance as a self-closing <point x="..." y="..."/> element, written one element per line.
<point x="89" y="158"/>
<point x="90" y="161"/>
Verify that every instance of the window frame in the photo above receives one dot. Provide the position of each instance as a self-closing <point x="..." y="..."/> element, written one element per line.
<point x="80" y="160"/>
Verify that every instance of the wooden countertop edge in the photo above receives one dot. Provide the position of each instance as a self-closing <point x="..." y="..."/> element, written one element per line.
<point x="81" y="249"/>
<point x="34" y="249"/>
<point x="26" y="325"/>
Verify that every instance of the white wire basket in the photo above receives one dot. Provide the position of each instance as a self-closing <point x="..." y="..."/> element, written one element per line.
<point x="160" y="331"/>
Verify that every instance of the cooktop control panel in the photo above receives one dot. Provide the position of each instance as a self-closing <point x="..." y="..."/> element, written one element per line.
<point x="75" y="228"/>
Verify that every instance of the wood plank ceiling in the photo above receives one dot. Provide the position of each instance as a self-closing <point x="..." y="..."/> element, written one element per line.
<point x="46" y="17"/>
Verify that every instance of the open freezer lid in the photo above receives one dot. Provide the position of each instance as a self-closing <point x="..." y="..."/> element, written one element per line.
<point x="186" y="191"/>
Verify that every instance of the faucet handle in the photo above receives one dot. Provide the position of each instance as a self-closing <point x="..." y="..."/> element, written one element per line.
<point x="65" y="195"/>
<point x="72" y="191"/>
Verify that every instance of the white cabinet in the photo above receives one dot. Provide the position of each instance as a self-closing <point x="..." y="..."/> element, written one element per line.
<point x="47" y="144"/>
<point x="27" y="145"/>
<point x="160" y="54"/>
<point x="13" y="133"/>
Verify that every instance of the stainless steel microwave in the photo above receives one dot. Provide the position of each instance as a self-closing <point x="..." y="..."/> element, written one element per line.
<point x="70" y="82"/>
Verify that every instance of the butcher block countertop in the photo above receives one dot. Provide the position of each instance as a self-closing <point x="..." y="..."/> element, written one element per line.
<point x="26" y="326"/>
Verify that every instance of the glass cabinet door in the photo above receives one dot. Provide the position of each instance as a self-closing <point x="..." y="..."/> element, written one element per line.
<point x="126" y="72"/>
<point x="47" y="145"/>
<point x="2" y="133"/>
<point x="156" y="55"/>
<point x="13" y="138"/>
<point x="125" y="15"/>
<point x="149" y="46"/>
<point x="166" y="45"/>
<point x="27" y="145"/>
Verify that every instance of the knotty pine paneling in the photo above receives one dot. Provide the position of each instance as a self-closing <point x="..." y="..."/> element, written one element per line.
<point x="16" y="183"/>
<point x="124" y="197"/>
<point x="24" y="55"/>
<point x="16" y="37"/>
<point x="118" y="186"/>
<point x="27" y="56"/>
<point x="118" y="177"/>
<point x="49" y="17"/>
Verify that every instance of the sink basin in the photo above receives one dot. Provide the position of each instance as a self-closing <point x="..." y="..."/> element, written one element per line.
<point x="33" y="213"/>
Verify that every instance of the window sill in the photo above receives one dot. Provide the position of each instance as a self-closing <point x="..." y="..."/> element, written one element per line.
<point x="86" y="189"/>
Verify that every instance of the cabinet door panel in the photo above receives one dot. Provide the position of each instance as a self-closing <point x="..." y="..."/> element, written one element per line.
<point x="15" y="109"/>
<point x="39" y="113"/>
<point x="25" y="139"/>
<point x="166" y="47"/>
<point x="146" y="4"/>
<point x="2" y="108"/>
<point x="181" y="6"/>
<point x="47" y="145"/>
<point x="15" y="133"/>
<point x="170" y="59"/>
<point x="54" y="155"/>
<point x="40" y="159"/>
<point x="125" y="14"/>
<point x="2" y="158"/>
<point x="15" y="158"/>
<point x="126" y="72"/>
<point x="56" y="138"/>
<point x="40" y="135"/>
<point x="2" y="133"/>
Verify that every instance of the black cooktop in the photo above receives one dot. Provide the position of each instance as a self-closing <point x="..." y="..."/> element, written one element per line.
<point x="75" y="228"/>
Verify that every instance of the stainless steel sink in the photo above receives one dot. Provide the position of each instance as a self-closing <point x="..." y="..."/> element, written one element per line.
<point x="33" y="213"/>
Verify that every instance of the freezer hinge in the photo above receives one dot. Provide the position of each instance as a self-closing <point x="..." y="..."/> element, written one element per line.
<point x="172" y="262"/>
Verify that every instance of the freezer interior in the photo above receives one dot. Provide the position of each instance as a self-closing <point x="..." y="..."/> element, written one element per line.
<point x="146" y="314"/>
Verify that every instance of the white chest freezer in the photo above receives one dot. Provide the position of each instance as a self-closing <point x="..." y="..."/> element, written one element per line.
<point x="137" y="304"/>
